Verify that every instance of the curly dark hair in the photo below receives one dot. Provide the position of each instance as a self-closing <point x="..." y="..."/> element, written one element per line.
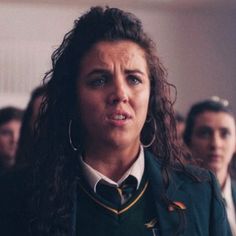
<point x="27" y="129"/>
<point x="55" y="167"/>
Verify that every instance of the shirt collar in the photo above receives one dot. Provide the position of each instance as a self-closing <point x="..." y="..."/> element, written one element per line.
<point x="230" y="208"/>
<point x="227" y="192"/>
<point x="93" y="176"/>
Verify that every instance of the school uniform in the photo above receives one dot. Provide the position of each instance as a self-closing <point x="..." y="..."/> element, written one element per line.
<point x="229" y="196"/>
<point x="233" y="185"/>
<point x="198" y="204"/>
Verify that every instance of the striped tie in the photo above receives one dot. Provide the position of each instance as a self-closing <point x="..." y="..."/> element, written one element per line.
<point x="118" y="195"/>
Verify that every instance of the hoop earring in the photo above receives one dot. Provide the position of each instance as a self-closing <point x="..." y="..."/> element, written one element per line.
<point x="154" y="135"/>
<point x="70" y="139"/>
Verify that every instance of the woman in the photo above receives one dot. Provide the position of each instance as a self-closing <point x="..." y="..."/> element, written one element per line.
<point x="107" y="125"/>
<point x="10" y="124"/>
<point x="210" y="135"/>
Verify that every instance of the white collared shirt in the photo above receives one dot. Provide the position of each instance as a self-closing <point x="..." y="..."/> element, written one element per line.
<point x="230" y="208"/>
<point x="93" y="176"/>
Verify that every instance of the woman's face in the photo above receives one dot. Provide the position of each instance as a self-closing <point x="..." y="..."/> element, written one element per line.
<point x="9" y="136"/>
<point x="214" y="139"/>
<point x="113" y="92"/>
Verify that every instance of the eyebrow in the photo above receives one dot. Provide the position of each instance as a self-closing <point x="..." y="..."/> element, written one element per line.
<point x="100" y="71"/>
<point x="205" y="127"/>
<point x="224" y="129"/>
<point x="134" y="71"/>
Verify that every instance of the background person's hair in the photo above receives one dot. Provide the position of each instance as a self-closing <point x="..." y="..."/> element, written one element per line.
<point x="179" y="117"/>
<point x="10" y="113"/>
<point x="27" y="130"/>
<point x="56" y="164"/>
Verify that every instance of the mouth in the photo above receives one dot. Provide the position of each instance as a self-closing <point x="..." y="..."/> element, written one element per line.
<point x="214" y="156"/>
<point x="119" y="118"/>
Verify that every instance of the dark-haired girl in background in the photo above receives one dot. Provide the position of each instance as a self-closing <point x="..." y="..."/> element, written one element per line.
<point x="210" y="135"/>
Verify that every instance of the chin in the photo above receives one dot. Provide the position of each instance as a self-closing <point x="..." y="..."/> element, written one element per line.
<point x="120" y="142"/>
<point x="117" y="143"/>
<point x="215" y="167"/>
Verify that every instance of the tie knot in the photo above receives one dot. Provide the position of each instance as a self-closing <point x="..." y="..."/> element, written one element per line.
<point x="117" y="195"/>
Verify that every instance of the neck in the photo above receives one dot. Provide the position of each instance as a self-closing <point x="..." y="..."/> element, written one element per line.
<point x="222" y="176"/>
<point x="111" y="162"/>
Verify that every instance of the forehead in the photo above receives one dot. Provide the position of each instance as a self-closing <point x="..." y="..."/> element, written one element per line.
<point x="215" y="120"/>
<point x="105" y="53"/>
<point x="11" y="124"/>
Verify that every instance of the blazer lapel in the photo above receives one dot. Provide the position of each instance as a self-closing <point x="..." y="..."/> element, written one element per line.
<point x="168" y="217"/>
<point x="233" y="183"/>
<point x="74" y="211"/>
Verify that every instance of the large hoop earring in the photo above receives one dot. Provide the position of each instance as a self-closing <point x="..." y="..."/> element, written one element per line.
<point x="154" y="134"/>
<point x="70" y="139"/>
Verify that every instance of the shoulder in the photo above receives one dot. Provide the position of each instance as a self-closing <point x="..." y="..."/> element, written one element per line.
<point x="192" y="173"/>
<point x="193" y="180"/>
<point x="14" y="180"/>
<point x="14" y="188"/>
<point x="186" y="173"/>
<point x="200" y="181"/>
<point x="196" y="188"/>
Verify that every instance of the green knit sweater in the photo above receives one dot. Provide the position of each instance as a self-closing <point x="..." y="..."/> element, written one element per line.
<point x="96" y="217"/>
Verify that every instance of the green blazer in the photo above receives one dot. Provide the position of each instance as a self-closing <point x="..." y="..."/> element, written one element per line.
<point x="204" y="213"/>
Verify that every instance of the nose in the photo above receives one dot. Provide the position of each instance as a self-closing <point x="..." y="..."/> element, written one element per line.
<point x="216" y="141"/>
<point x="119" y="92"/>
<point x="14" y="137"/>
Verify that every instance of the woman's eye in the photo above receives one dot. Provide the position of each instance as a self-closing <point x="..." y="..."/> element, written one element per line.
<point x="5" y="132"/>
<point x="134" y="79"/>
<point x="99" y="81"/>
<point x="225" y="133"/>
<point x="204" y="133"/>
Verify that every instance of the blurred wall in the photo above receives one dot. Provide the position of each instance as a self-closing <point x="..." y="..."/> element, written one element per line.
<point x="196" y="43"/>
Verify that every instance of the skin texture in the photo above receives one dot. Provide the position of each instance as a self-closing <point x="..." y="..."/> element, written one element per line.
<point x="214" y="141"/>
<point x="113" y="94"/>
<point x="9" y="135"/>
<point x="180" y="126"/>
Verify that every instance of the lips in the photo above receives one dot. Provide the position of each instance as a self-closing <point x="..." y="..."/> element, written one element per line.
<point x="119" y="118"/>
<point x="118" y="115"/>
<point x="214" y="156"/>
